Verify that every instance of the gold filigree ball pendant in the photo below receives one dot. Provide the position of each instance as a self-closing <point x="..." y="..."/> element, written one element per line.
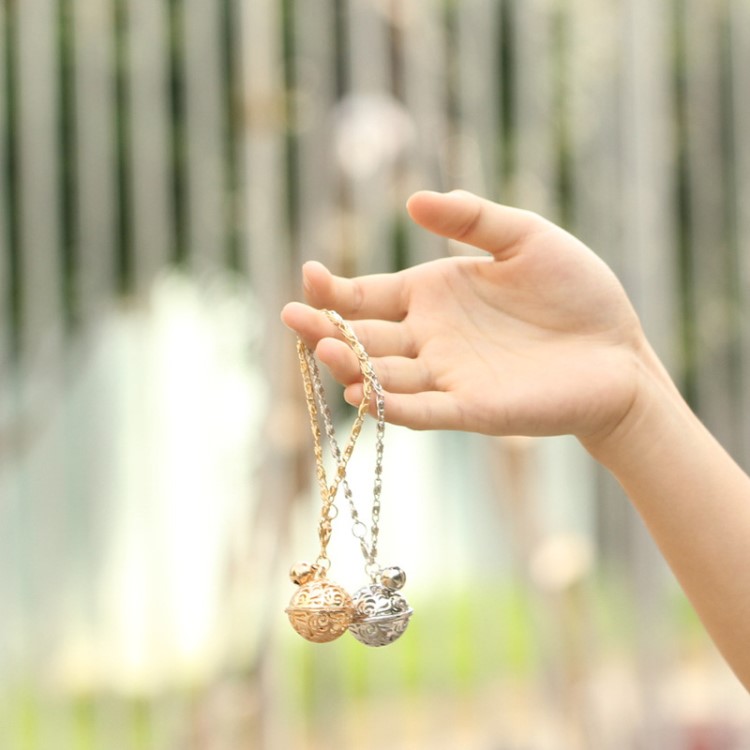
<point x="381" y="613"/>
<point x="320" y="611"/>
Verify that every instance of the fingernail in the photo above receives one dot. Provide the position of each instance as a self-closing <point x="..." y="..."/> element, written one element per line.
<point x="457" y="194"/>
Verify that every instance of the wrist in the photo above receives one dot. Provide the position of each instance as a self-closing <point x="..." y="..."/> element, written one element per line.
<point x="656" y="412"/>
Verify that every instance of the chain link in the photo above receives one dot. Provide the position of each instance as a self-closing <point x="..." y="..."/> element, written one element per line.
<point x="320" y="411"/>
<point x="328" y="511"/>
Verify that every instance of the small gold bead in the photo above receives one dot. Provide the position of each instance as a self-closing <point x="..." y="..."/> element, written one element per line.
<point x="302" y="572"/>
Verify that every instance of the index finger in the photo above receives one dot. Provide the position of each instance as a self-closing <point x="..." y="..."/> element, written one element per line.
<point x="379" y="296"/>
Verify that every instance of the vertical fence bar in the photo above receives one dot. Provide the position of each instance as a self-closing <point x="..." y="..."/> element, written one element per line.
<point x="594" y="112"/>
<point x="595" y="108"/>
<point x="359" y="102"/>
<point x="41" y="323"/>
<point x="476" y="138"/>
<point x="17" y="644"/>
<point x="647" y="170"/>
<point x="648" y="240"/>
<point x="717" y="279"/>
<point x="142" y="45"/>
<point x="197" y="193"/>
<point x="232" y="165"/>
<point x="95" y="165"/>
<point x="424" y="84"/>
<point x="425" y="60"/>
<point x="41" y="303"/>
<point x="5" y="310"/>
<point x="371" y="128"/>
<point x="324" y="231"/>
<point x="147" y="126"/>
<point x="534" y="121"/>
<point x="738" y="22"/>
<point x="595" y="217"/>
<point x="6" y="492"/>
<point x="203" y="127"/>
<point x="534" y="185"/>
<point x="154" y="127"/>
<point x="95" y="103"/>
<point x="314" y="61"/>
<point x="707" y="236"/>
<point x="268" y="248"/>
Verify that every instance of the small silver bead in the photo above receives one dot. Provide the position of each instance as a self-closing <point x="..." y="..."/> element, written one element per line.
<point x="302" y="572"/>
<point x="393" y="578"/>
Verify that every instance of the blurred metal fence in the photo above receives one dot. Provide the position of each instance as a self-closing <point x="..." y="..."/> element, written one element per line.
<point x="164" y="169"/>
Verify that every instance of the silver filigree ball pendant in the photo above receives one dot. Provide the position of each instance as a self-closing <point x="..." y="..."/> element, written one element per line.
<point x="320" y="611"/>
<point x="381" y="613"/>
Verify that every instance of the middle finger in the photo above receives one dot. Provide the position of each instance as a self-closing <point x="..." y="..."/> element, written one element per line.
<point x="395" y="374"/>
<point x="380" y="338"/>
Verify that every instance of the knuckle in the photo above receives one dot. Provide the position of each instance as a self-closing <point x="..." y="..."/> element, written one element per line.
<point x="469" y="223"/>
<point x="358" y="296"/>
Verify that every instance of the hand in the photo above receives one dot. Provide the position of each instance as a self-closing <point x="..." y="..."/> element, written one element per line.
<point x="538" y="339"/>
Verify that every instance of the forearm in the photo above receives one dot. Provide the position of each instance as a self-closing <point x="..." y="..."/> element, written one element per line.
<point x="695" y="501"/>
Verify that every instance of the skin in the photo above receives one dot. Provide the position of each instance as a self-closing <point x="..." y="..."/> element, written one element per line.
<point x="539" y="338"/>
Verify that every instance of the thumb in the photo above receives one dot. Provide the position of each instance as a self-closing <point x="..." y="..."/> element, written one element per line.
<point x="468" y="218"/>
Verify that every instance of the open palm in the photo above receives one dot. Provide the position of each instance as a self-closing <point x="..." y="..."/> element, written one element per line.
<point x="537" y="339"/>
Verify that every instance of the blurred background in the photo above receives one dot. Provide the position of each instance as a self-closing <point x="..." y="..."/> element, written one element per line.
<point x="165" y="168"/>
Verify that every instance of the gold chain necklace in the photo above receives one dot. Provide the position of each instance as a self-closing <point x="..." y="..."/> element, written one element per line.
<point x="321" y="610"/>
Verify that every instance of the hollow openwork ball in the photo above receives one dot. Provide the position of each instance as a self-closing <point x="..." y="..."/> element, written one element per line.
<point x="320" y="610"/>
<point x="381" y="615"/>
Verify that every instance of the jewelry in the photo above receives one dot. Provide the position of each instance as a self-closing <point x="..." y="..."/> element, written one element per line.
<point x="320" y="610"/>
<point x="377" y="613"/>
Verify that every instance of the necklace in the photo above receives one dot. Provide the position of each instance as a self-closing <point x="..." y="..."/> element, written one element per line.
<point x="321" y="610"/>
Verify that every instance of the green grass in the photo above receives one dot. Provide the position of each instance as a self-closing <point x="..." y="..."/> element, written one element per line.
<point x="458" y="645"/>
